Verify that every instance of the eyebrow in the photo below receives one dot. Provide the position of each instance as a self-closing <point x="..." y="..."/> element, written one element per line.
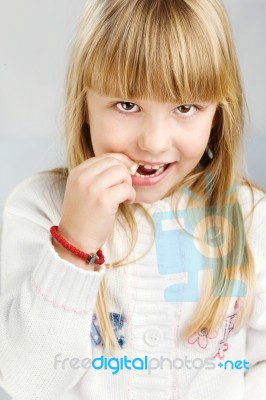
<point x="118" y="98"/>
<point x="109" y="99"/>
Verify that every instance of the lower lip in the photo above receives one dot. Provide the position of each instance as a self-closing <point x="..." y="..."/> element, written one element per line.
<point x="154" y="180"/>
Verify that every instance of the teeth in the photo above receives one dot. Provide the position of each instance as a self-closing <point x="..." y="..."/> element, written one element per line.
<point x="152" y="166"/>
<point x="159" y="169"/>
<point x="158" y="172"/>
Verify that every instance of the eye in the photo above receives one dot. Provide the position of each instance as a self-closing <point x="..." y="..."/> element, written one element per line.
<point x="127" y="106"/>
<point x="186" y="109"/>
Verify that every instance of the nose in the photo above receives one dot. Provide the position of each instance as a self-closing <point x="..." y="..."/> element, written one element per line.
<point x="155" y="136"/>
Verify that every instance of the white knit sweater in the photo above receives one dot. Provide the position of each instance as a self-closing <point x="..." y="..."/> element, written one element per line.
<point x="48" y="330"/>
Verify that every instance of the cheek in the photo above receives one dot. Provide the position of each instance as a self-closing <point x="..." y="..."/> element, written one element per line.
<point x="195" y="144"/>
<point x="107" y="136"/>
<point x="100" y="130"/>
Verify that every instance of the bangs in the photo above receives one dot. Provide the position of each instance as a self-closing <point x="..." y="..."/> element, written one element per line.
<point x="162" y="50"/>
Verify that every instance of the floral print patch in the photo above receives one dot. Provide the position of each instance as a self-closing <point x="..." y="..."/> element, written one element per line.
<point x="201" y="339"/>
<point x="117" y="321"/>
<point x="227" y="331"/>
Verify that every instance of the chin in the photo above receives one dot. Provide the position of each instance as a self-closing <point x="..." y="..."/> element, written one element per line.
<point x="148" y="197"/>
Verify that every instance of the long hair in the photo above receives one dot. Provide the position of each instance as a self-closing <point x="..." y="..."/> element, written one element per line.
<point x="170" y="51"/>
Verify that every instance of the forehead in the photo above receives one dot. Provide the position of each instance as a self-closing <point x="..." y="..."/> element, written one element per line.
<point x="163" y="50"/>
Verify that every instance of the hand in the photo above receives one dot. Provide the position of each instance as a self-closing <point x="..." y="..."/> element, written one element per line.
<point x="94" y="190"/>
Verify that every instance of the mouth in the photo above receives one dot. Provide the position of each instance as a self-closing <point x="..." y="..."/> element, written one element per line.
<point x="149" y="175"/>
<point x="145" y="171"/>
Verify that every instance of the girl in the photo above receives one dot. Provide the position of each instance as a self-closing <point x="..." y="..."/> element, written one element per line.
<point x="138" y="270"/>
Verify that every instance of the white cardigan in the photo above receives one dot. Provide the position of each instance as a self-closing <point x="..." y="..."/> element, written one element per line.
<point x="49" y="335"/>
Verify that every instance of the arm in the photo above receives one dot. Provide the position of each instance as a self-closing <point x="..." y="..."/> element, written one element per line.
<point x="256" y="333"/>
<point x="256" y="347"/>
<point x="46" y="303"/>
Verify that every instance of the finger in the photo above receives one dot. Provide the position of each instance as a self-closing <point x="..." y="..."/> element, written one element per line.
<point x="90" y="172"/>
<point x="118" y="157"/>
<point x="112" y="176"/>
<point x="121" y="193"/>
<point x="101" y="176"/>
<point x="98" y="180"/>
<point x="127" y="161"/>
<point x="97" y="165"/>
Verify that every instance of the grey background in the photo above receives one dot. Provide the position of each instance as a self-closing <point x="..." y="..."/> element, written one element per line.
<point x="35" y="39"/>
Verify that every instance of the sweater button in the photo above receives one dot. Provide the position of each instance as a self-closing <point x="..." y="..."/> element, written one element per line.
<point x="153" y="337"/>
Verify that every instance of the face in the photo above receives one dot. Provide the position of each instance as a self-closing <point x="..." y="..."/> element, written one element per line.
<point x="173" y="136"/>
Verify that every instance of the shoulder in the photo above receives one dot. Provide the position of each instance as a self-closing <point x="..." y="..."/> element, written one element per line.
<point x="40" y="192"/>
<point x="252" y="200"/>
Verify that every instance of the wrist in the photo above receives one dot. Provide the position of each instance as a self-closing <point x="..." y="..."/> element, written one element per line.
<point x="68" y="256"/>
<point x="78" y="241"/>
<point x="69" y="251"/>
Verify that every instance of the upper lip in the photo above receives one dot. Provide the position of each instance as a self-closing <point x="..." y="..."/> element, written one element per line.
<point x="152" y="163"/>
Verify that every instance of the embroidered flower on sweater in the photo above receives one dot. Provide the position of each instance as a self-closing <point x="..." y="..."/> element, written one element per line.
<point x="201" y="339"/>
<point x="227" y="331"/>
<point x="117" y="321"/>
<point x="238" y="304"/>
<point x="223" y="347"/>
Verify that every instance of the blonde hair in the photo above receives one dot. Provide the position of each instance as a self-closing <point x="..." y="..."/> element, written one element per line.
<point x="177" y="51"/>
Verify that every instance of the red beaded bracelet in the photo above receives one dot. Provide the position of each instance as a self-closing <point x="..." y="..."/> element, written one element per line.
<point x="92" y="258"/>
